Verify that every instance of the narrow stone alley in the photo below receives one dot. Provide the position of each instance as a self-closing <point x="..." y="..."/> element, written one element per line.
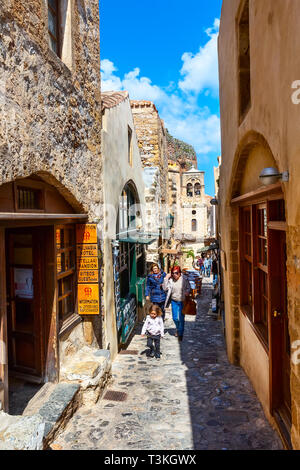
<point x="190" y="399"/>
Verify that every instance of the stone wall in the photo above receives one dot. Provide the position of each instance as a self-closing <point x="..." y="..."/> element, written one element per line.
<point x="50" y="111"/>
<point x="181" y="152"/>
<point x="151" y="135"/>
<point x="50" y="114"/>
<point x="272" y="122"/>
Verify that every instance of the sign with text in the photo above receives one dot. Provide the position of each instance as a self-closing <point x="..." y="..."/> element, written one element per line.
<point x="87" y="263"/>
<point x="88" y="275"/>
<point x="88" y="299"/>
<point x="86" y="250"/>
<point x="87" y="269"/>
<point x="86" y="234"/>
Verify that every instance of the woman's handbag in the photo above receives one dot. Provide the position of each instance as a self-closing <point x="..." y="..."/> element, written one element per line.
<point x="189" y="307"/>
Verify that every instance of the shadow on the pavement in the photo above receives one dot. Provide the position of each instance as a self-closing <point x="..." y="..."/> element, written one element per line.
<point x="199" y="355"/>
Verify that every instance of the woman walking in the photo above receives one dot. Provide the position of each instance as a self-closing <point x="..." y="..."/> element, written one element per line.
<point x="177" y="287"/>
<point x="154" y="287"/>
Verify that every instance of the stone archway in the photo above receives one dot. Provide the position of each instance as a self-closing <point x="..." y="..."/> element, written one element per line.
<point x="249" y="145"/>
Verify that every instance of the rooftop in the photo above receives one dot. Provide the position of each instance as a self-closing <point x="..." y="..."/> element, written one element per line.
<point x="110" y="99"/>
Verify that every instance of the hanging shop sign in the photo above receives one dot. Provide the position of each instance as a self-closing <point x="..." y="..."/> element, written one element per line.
<point x="88" y="299"/>
<point x="86" y="234"/>
<point x="87" y="269"/>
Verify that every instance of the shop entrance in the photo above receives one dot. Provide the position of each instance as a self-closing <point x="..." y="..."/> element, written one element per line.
<point x="24" y="303"/>
<point x="25" y="314"/>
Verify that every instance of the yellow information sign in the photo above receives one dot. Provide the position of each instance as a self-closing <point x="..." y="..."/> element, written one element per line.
<point x="88" y="299"/>
<point x="87" y="269"/>
<point x="87" y="263"/>
<point x="86" y="233"/>
<point x="88" y="275"/>
<point x="86" y="251"/>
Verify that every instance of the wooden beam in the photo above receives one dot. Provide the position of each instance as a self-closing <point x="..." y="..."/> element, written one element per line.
<point x="260" y="194"/>
<point x="40" y="216"/>
<point x="274" y="225"/>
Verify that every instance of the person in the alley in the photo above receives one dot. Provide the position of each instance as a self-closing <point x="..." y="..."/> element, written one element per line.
<point x="153" y="328"/>
<point x="178" y="288"/>
<point x="154" y="290"/>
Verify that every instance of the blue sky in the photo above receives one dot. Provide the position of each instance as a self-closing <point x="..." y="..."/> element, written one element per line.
<point x="166" y="51"/>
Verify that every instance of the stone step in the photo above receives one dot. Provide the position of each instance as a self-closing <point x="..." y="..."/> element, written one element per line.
<point x="46" y="414"/>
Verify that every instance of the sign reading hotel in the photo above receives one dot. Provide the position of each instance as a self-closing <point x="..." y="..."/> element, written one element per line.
<point x="87" y="269"/>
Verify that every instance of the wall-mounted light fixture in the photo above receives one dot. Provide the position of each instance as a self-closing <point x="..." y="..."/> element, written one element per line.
<point x="170" y="221"/>
<point x="214" y="202"/>
<point x="271" y="176"/>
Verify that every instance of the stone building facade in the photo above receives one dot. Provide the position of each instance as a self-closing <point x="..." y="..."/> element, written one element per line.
<point x="260" y="223"/>
<point x="151" y="134"/>
<point x="190" y="206"/>
<point x="124" y="261"/>
<point x="50" y="180"/>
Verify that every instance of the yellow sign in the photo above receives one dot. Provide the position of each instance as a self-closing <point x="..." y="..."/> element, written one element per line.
<point x="87" y="269"/>
<point x="86" y="233"/>
<point x="87" y="263"/>
<point x="89" y="275"/>
<point x="58" y="262"/>
<point x="85" y="251"/>
<point x="88" y="299"/>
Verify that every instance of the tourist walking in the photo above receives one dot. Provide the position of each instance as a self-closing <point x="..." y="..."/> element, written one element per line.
<point x="153" y="328"/>
<point x="214" y="270"/>
<point x="207" y="266"/>
<point x="154" y="287"/>
<point x="177" y="287"/>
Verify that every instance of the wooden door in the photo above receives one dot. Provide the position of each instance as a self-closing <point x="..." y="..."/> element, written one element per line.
<point x="3" y="328"/>
<point x="286" y="346"/>
<point x="24" y="288"/>
<point x="280" y="368"/>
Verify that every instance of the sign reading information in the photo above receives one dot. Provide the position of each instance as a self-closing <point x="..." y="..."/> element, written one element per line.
<point x="87" y="269"/>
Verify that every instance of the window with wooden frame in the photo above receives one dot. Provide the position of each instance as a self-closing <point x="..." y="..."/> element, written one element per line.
<point x="66" y="271"/>
<point x="53" y="26"/>
<point x="255" y="221"/>
<point x="261" y="271"/>
<point x="29" y="197"/>
<point x="247" y="259"/>
<point x="244" y="74"/>
<point x="194" y="225"/>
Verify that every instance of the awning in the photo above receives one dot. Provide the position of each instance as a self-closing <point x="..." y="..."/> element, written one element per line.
<point x="204" y="250"/>
<point x="139" y="238"/>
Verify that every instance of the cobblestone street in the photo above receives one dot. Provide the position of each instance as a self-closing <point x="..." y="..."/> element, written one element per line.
<point x="191" y="398"/>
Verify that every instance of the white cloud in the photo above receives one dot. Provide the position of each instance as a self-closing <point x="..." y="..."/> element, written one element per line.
<point x="200" y="71"/>
<point x="109" y="80"/>
<point x="178" y="103"/>
<point x="199" y="129"/>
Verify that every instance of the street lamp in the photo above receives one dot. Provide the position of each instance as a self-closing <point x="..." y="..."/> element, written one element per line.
<point x="214" y="202"/>
<point x="271" y="176"/>
<point x="170" y="221"/>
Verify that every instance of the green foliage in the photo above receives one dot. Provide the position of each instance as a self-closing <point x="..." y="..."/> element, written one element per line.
<point x="179" y="149"/>
<point x="190" y="254"/>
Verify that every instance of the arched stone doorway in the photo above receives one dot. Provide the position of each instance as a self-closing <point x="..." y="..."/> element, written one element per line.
<point x="37" y="280"/>
<point x="257" y="285"/>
